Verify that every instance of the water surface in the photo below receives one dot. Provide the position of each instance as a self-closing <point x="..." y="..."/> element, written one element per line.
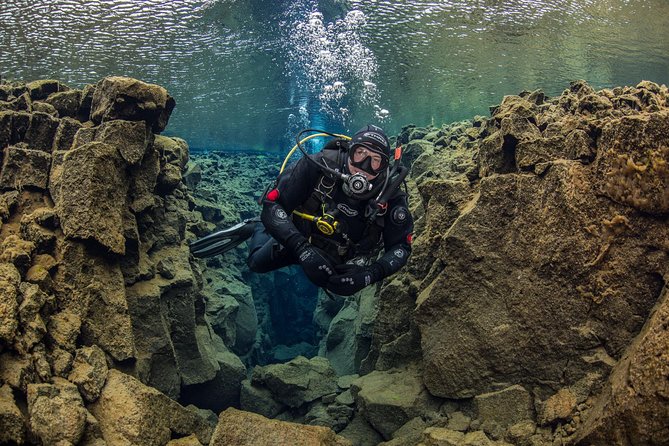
<point x="248" y="74"/>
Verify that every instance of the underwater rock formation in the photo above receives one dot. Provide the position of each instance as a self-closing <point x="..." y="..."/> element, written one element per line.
<point x="101" y="305"/>
<point x="540" y="257"/>
<point x="533" y="310"/>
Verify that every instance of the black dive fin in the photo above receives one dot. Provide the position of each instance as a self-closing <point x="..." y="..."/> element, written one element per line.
<point x="223" y="241"/>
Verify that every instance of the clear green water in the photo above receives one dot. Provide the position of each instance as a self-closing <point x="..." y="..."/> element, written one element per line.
<point x="248" y="74"/>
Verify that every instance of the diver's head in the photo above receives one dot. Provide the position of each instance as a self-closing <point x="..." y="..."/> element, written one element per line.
<point x="368" y="156"/>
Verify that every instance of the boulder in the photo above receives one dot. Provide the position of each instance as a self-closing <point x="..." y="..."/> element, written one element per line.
<point x="129" y="412"/>
<point x="92" y="288"/>
<point x="388" y="399"/>
<point x="497" y="411"/>
<point x="361" y="433"/>
<point x="65" y="134"/>
<point x="64" y="328"/>
<point x="248" y="429"/>
<point x="65" y="102"/>
<point x="173" y="150"/>
<point x="143" y="180"/>
<point x="41" y="132"/>
<point x="558" y="407"/>
<point x="223" y="390"/>
<point x="17" y="371"/>
<point x="542" y="252"/>
<point x="259" y="400"/>
<point x="16" y="251"/>
<point x="632" y="408"/>
<point x="298" y="381"/>
<point x="23" y="167"/>
<point x="8" y="311"/>
<point x="41" y="89"/>
<point x="89" y="372"/>
<point x="130" y="138"/>
<point x="91" y="200"/>
<point x="56" y="412"/>
<point x="132" y="100"/>
<point x="11" y="419"/>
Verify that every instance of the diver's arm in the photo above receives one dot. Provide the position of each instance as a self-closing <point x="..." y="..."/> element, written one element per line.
<point x="397" y="233"/>
<point x="397" y="237"/>
<point x="293" y="188"/>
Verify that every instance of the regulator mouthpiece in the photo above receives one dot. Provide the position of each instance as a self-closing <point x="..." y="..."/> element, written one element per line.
<point x="356" y="184"/>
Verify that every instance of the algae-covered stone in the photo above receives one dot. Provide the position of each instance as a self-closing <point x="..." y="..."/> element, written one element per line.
<point x="16" y="371"/>
<point x="297" y="381"/>
<point x="222" y="390"/>
<point x="17" y="251"/>
<point x="22" y="167"/>
<point x="130" y="412"/>
<point x="8" y="311"/>
<point x="248" y="429"/>
<point x="93" y="288"/>
<point x="633" y="403"/>
<point x="11" y="419"/>
<point x="66" y="102"/>
<point x="65" y="134"/>
<point x="388" y="399"/>
<point x="92" y="196"/>
<point x="174" y="150"/>
<point x="132" y="100"/>
<point x="56" y="411"/>
<point x="259" y="400"/>
<point x="89" y="372"/>
<point x="41" y="89"/>
<point x="499" y="410"/>
<point x="41" y="132"/>
<point x="131" y="138"/>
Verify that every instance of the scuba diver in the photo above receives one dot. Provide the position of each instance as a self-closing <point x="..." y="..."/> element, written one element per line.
<point x="331" y="213"/>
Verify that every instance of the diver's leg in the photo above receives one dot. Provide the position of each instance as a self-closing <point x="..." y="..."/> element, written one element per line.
<point x="266" y="254"/>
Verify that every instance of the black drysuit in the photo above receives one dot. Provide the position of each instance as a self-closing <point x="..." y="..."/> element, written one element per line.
<point x="281" y="239"/>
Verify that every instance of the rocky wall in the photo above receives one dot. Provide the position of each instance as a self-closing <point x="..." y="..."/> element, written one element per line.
<point x="540" y="256"/>
<point x="101" y="309"/>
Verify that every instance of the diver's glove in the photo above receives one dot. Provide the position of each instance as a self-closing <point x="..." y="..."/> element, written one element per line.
<point x="352" y="278"/>
<point x="315" y="263"/>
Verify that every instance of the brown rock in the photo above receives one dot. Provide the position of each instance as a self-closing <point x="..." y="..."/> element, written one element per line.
<point x="131" y="100"/>
<point x="65" y="134"/>
<point x="558" y="407"/>
<point x="23" y="167"/>
<point x="191" y="440"/>
<point x="92" y="287"/>
<point x="500" y="410"/>
<point x="89" y="372"/>
<point x="130" y="138"/>
<point x="11" y="419"/>
<point x="8" y="311"/>
<point x="131" y="413"/>
<point x="528" y="257"/>
<point x="41" y="89"/>
<point x="391" y="398"/>
<point x="249" y="429"/>
<point x="66" y="102"/>
<point x="16" y="371"/>
<point x="56" y="411"/>
<point x="632" y="408"/>
<point x="38" y="227"/>
<point x="63" y="328"/>
<point x="92" y="198"/>
<point x="41" y="132"/>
